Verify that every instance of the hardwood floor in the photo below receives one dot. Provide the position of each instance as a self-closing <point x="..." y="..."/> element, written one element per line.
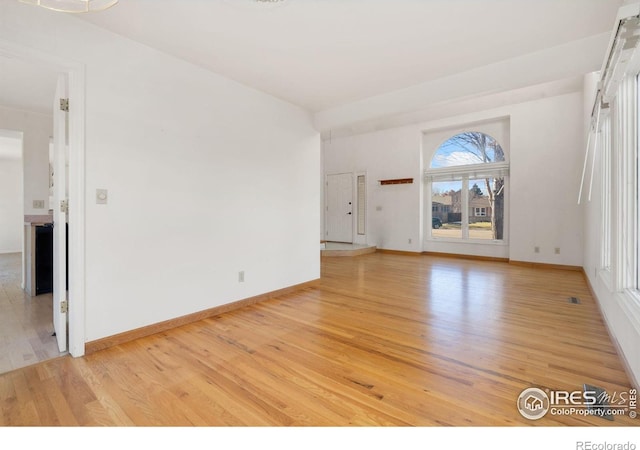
<point x="26" y="323"/>
<point x="384" y="340"/>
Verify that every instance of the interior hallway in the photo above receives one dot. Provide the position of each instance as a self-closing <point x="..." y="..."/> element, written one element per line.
<point x="26" y="323"/>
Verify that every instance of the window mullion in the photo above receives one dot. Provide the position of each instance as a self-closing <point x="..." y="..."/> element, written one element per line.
<point x="465" y="208"/>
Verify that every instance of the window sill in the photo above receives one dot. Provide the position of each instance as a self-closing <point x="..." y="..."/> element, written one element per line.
<point x="605" y="278"/>
<point x="633" y="295"/>
<point x="468" y="241"/>
<point x="630" y="304"/>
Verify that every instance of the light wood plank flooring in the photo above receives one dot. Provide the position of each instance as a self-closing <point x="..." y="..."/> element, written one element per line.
<point x="384" y="340"/>
<point x="26" y="323"/>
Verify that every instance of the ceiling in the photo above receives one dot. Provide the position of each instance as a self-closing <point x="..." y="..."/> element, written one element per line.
<point x="328" y="54"/>
<point x="321" y="54"/>
<point x="26" y="86"/>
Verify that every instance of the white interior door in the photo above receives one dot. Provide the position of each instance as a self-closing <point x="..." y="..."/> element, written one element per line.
<point x="339" y="212"/>
<point x="60" y="215"/>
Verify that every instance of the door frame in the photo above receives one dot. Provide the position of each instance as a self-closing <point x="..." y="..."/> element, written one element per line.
<point x="59" y="215"/>
<point x="75" y="73"/>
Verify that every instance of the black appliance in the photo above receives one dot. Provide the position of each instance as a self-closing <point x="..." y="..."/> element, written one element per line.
<point x="44" y="258"/>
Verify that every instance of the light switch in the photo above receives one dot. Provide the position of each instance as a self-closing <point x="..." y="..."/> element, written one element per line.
<point x="101" y="196"/>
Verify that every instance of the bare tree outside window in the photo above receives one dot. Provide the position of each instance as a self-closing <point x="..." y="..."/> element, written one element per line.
<point x="485" y="149"/>
<point x="472" y="148"/>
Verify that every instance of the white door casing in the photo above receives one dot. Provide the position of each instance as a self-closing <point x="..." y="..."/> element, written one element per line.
<point x="60" y="304"/>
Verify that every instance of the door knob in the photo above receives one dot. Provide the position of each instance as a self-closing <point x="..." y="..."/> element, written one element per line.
<point x="349" y="213"/>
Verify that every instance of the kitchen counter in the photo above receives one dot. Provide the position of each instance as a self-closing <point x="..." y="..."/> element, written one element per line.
<point x="38" y="219"/>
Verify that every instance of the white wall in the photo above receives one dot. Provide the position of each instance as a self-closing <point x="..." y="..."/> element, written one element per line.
<point x="546" y="165"/>
<point x="206" y="177"/>
<point x="37" y="130"/>
<point x="11" y="215"/>
<point x="545" y="155"/>
<point x="392" y="215"/>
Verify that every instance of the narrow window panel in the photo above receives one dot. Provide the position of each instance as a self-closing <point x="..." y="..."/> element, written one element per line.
<point x="362" y="204"/>
<point x="605" y="136"/>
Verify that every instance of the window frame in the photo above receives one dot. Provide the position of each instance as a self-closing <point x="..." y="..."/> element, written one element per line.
<point x="465" y="173"/>
<point x="482" y="209"/>
<point x="624" y="187"/>
<point x="604" y="139"/>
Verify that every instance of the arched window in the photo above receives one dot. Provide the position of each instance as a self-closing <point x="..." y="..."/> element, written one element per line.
<point x="467" y="175"/>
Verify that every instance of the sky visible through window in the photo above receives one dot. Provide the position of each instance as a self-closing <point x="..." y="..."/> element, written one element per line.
<point x="466" y="149"/>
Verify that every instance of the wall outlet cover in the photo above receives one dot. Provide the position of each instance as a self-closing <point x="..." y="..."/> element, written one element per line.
<point x="102" y="196"/>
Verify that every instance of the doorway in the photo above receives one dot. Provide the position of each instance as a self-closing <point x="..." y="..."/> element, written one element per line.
<point x="25" y="320"/>
<point x="339" y="208"/>
<point x="12" y="55"/>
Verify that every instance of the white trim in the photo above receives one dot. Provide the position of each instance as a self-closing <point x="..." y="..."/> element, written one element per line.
<point x="605" y="279"/>
<point x="630" y="304"/>
<point x="464" y="209"/>
<point x="613" y="67"/>
<point x="606" y="196"/>
<point x="624" y="197"/>
<point x="472" y="171"/>
<point x="77" y="293"/>
<point x="76" y="77"/>
<point x="428" y="213"/>
<point x="470" y="241"/>
<point x="357" y="206"/>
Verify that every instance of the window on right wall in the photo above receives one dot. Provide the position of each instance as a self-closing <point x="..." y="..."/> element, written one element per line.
<point x="468" y="180"/>
<point x="605" y="144"/>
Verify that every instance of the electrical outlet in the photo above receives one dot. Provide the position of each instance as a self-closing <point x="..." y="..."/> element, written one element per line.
<point x="38" y="204"/>
<point x="410" y="240"/>
<point x="241" y="276"/>
<point x="557" y="250"/>
<point x="536" y="249"/>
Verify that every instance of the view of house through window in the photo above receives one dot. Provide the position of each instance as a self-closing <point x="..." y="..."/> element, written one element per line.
<point x="467" y="175"/>
<point x="446" y="201"/>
